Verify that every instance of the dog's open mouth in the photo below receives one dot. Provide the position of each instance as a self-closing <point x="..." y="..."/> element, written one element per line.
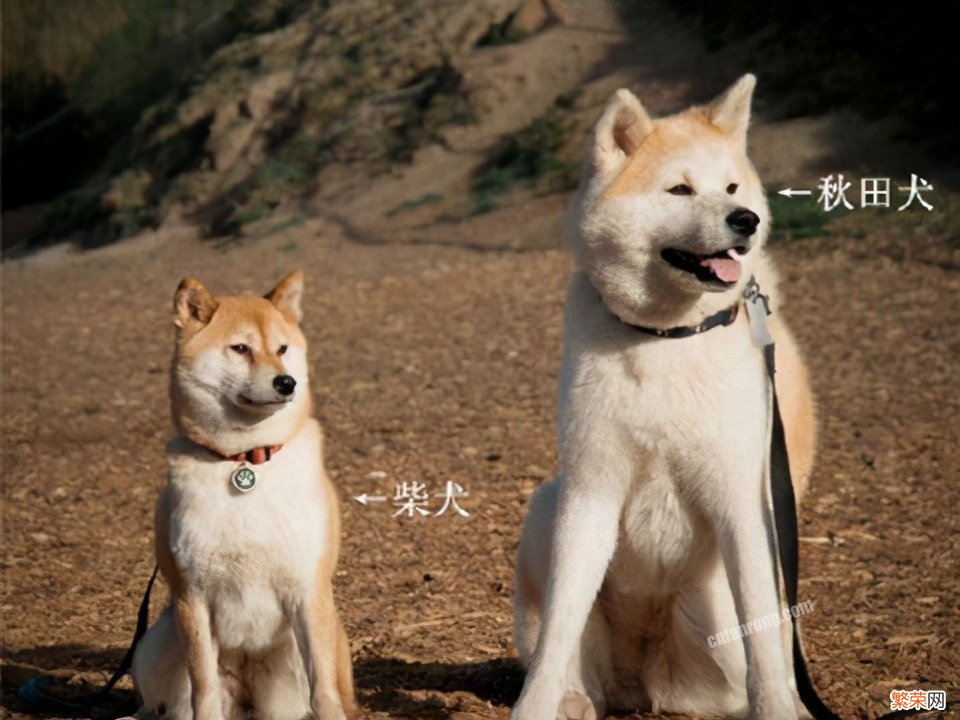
<point x="264" y="403"/>
<point x="721" y="268"/>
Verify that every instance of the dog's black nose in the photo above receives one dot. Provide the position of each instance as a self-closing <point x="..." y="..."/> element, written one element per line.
<point x="284" y="384"/>
<point x="744" y="222"/>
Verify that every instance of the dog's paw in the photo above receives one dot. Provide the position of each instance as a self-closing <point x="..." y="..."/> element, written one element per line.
<point x="577" y="706"/>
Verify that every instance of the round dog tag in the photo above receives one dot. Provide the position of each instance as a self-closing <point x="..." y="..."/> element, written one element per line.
<point x="243" y="479"/>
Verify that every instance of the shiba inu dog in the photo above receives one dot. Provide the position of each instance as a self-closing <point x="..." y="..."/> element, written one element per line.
<point x="656" y="533"/>
<point x="248" y="526"/>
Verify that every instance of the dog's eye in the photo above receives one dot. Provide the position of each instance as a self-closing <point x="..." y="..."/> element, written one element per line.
<point x="240" y="348"/>
<point x="732" y="188"/>
<point x="681" y="190"/>
<point x="281" y="350"/>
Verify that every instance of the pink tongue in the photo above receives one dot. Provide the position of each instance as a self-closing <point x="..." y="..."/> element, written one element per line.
<point x="724" y="268"/>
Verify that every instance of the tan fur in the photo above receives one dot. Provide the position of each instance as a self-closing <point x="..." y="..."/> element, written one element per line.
<point x="252" y="619"/>
<point x="797" y="407"/>
<point x="655" y="535"/>
<point x="667" y="139"/>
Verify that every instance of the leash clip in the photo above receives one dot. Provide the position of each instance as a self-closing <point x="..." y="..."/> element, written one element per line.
<point x="752" y="294"/>
<point x="758" y="307"/>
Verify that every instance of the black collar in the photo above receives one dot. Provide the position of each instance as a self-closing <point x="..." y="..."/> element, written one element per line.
<point x="724" y="317"/>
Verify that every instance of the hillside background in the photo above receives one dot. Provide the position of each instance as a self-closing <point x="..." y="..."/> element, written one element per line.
<point x="400" y="116"/>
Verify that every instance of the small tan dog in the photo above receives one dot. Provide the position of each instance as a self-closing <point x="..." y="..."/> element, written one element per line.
<point x="248" y="526"/>
<point x="656" y="534"/>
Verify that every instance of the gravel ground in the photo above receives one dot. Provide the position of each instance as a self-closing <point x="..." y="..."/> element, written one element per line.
<point x="437" y="364"/>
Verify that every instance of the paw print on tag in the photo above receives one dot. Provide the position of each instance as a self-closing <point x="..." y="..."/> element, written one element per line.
<point x="243" y="479"/>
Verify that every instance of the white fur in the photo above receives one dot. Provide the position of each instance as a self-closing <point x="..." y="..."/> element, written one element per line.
<point x="251" y="571"/>
<point x="655" y="534"/>
<point x="253" y="557"/>
<point x="210" y="388"/>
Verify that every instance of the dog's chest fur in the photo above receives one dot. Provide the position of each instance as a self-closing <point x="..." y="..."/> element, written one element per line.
<point x="689" y="417"/>
<point x="251" y="555"/>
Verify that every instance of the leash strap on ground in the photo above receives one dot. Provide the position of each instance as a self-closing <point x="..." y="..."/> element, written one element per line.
<point x="143" y="617"/>
<point x="784" y="503"/>
<point x="785" y="521"/>
<point x="785" y="510"/>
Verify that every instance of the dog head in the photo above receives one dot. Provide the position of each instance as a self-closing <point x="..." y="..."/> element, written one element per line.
<point x="671" y="216"/>
<point x="239" y="375"/>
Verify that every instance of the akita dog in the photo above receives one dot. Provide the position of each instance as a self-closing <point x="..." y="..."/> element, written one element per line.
<point x="248" y="526"/>
<point x="656" y="534"/>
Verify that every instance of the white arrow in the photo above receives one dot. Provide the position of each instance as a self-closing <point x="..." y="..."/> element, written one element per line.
<point x="364" y="499"/>
<point x="790" y="192"/>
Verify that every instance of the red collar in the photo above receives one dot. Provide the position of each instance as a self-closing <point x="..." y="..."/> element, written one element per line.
<point x="256" y="456"/>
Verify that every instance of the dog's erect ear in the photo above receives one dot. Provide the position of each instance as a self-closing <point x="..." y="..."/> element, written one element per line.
<point x="731" y="111"/>
<point x="286" y="296"/>
<point x="192" y="304"/>
<point x="619" y="131"/>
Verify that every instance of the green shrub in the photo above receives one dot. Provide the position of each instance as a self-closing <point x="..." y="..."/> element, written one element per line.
<point x="532" y="157"/>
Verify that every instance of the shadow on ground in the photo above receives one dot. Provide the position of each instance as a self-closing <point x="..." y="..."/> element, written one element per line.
<point x="67" y="681"/>
<point x="63" y="681"/>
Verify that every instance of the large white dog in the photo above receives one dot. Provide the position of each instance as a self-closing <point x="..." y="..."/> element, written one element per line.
<point x="656" y="534"/>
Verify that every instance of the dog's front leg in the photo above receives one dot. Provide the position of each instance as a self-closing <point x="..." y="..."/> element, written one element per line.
<point x="584" y="540"/>
<point x="316" y="632"/>
<point x="745" y="543"/>
<point x="192" y="616"/>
